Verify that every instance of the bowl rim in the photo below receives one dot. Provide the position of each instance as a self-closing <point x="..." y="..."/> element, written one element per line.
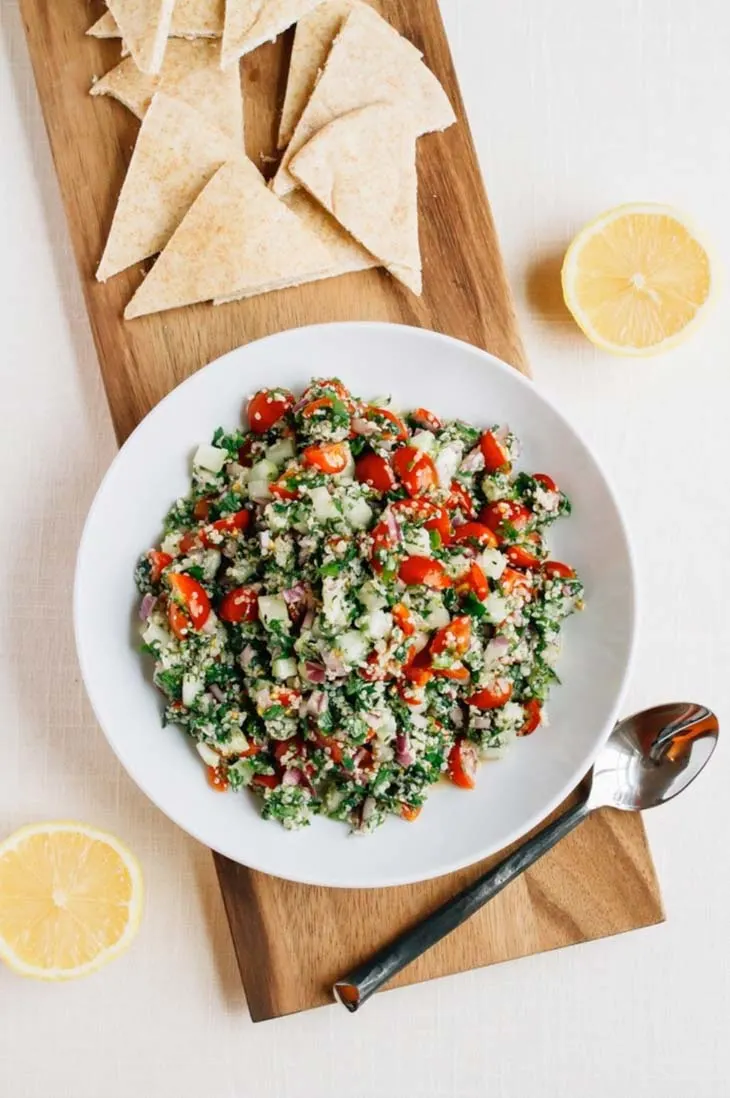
<point x="393" y="880"/>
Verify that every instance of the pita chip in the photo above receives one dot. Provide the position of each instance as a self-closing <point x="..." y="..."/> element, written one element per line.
<point x="191" y="72"/>
<point x="236" y="240"/>
<point x="369" y="63"/>
<point x="362" y="169"/>
<point x="145" y="25"/>
<point x="313" y="40"/>
<point x="176" y="154"/>
<point x="345" y="255"/>
<point x="250" y="23"/>
<point x="190" y="19"/>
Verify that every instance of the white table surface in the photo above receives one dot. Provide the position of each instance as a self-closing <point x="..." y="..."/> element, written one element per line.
<point x="575" y="107"/>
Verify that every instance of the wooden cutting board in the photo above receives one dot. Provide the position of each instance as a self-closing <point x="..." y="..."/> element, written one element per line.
<point x="292" y="941"/>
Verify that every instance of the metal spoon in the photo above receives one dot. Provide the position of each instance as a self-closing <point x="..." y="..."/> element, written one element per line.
<point x="648" y="759"/>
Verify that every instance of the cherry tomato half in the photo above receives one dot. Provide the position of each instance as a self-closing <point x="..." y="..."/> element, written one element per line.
<point x="516" y="583"/>
<point x="189" y="594"/>
<point x="241" y="604"/>
<point x="394" y="428"/>
<point x="463" y="762"/>
<point x="454" y="637"/>
<point x="496" y="455"/>
<point x="376" y="471"/>
<point x="547" y="482"/>
<point x="460" y="500"/>
<point x="492" y="697"/>
<point x="474" y="581"/>
<point x="280" y="490"/>
<point x="436" y="518"/>
<point x="409" y="812"/>
<point x="268" y="781"/>
<point x="533" y="717"/>
<point x="267" y="407"/>
<point x="229" y="524"/>
<point x="555" y="569"/>
<point x="505" y="511"/>
<point x="218" y="778"/>
<point x="423" y="570"/>
<point x="415" y="470"/>
<point x="178" y="619"/>
<point x="328" y="458"/>
<point x="158" y="563"/>
<point x="520" y="556"/>
<point x="476" y="534"/>
<point x="402" y="618"/>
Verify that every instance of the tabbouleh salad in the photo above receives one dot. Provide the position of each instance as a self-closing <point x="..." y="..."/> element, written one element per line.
<point x="351" y="603"/>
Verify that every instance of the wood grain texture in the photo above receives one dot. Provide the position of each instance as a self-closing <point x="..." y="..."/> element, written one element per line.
<point x="292" y="941"/>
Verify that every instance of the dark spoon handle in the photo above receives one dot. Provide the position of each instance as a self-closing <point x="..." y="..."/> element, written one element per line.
<point x="356" y="988"/>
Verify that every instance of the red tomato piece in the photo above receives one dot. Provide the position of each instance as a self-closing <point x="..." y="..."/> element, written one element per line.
<point x="201" y="510"/>
<point x="218" y="778"/>
<point x="533" y="717"/>
<point x="460" y="500"/>
<point x="158" y="563"/>
<point x="402" y="617"/>
<point x="415" y="470"/>
<point x="187" y="592"/>
<point x="495" y="515"/>
<point x="496" y="455"/>
<point x="178" y="619"/>
<point x="410" y="812"/>
<point x="547" y="482"/>
<point x="267" y="407"/>
<point x="328" y="458"/>
<point x="376" y="471"/>
<point x="317" y="405"/>
<point x="395" y="429"/>
<point x="251" y="750"/>
<point x="424" y="571"/>
<point x="463" y="762"/>
<point x="516" y="583"/>
<point x="281" y="490"/>
<point x="329" y="743"/>
<point x="474" y="581"/>
<point x="241" y="604"/>
<point x="458" y="673"/>
<point x="423" y="418"/>
<point x="520" y="556"/>
<point x="441" y="523"/>
<point x="454" y="637"/>
<point x="555" y="569"/>
<point x="190" y="541"/>
<point x="475" y="534"/>
<point x="492" y="697"/>
<point x="230" y="524"/>
<point x="245" y="452"/>
<point x="268" y="781"/>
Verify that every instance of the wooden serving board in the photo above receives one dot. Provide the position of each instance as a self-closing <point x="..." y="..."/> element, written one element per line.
<point x="292" y="941"/>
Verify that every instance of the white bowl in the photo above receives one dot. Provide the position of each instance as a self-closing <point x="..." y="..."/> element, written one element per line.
<point x="456" y="828"/>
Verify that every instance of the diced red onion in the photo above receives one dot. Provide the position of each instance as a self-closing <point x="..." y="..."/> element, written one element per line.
<point x="315" y="671"/>
<point x="263" y="699"/>
<point x="308" y="619"/>
<point x="403" y="754"/>
<point x="217" y="692"/>
<point x="292" y="777"/>
<point x="248" y="655"/>
<point x="393" y="528"/>
<point x="317" y="703"/>
<point x="334" y="664"/>
<point x="149" y="602"/>
<point x="481" y="722"/>
<point x="497" y="649"/>
<point x="264" y="539"/>
<point x="364" y="427"/>
<point x="368" y="807"/>
<point x="501" y="434"/>
<point x="456" y="716"/>
<point x="301" y="403"/>
<point x="294" y="595"/>
<point x="473" y="462"/>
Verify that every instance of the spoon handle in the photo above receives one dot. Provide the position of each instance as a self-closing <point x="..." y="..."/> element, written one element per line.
<point x="356" y="988"/>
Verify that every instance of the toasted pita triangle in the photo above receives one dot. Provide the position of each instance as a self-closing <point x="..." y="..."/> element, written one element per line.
<point x="313" y="40"/>
<point x="250" y="23"/>
<point x="346" y="256"/>
<point x="236" y="240"/>
<point x="176" y="154"/>
<point x="362" y="169"/>
<point x="190" y="72"/>
<point x="145" y="25"/>
<point x="369" y="62"/>
<point x="190" y="19"/>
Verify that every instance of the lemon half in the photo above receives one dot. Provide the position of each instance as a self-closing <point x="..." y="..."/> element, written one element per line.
<point x="637" y="279"/>
<point x="70" y="900"/>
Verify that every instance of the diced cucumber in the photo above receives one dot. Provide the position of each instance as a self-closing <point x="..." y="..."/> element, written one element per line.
<point x="171" y="543"/>
<point x="191" y="687"/>
<point x="211" y="563"/>
<point x="275" y="520"/>
<point x="281" y="451"/>
<point x="354" y="646"/>
<point x="236" y="745"/>
<point x="437" y="616"/>
<point x="155" y="634"/>
<point x="384" y="724"/>
<point x="496" y="608"/>
<point x="208" y="755"/>
<point x="492" y="563"/>
<point x="263" y="470"/>
<point x="371" y="597"/>
<point x="424" y="440"/>
<point x="210" y="457"/>
<point x="272" y="608"/>
<point x="323" y="504"/>
<point x="447" y="462"/>
<point x="258" y="491"/>
<point x="333" y="601"/>
<point x="284" y="668"/>
<point x="348" y="472"/>
<point x="416" y="542"/>
<point x="358" y="513"/>
<point x="377" y="624"/>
